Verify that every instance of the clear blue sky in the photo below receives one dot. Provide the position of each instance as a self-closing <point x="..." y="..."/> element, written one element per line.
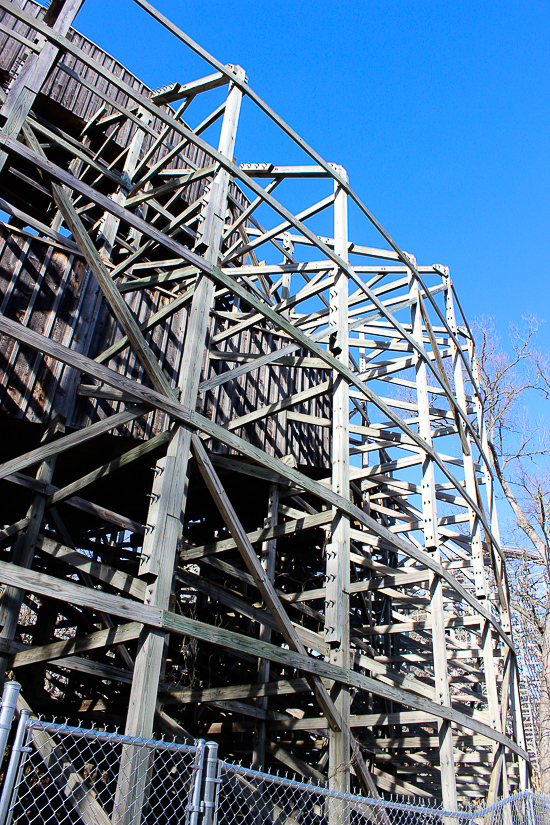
<point x="439" y="111"/>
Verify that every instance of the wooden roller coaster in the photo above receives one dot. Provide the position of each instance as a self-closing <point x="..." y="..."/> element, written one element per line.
<point x="245" y="486"/>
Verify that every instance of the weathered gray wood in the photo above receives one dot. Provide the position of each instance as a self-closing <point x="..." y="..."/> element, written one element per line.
<point x="276" y="318"/>
<point x="12" y="597"/>
<point x="388" y="528"/>
<point x="104" y="572"/>
<point x="58" y="650"/>
<point x="337" y="569"/>
<point x="117" y="303"/>
<point x="432" y="544"/>
<point x="67" y="442"/>
<point x="244" y="644"/>
<point x="268" y="562"/>
<point x="134" y="611"/>
<point x="26" y="85"/>
<point x="78" y="503"/>
<point x="110" y="467"/>
<point x="167" y="509"/>
<point x="65" y="590"/>
<point x="258" y="573"/>
<point x="251" y="691"/>
<point x="185" y="415"/>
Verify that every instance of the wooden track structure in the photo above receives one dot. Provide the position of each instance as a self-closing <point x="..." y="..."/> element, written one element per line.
<point x="246" y="492"/>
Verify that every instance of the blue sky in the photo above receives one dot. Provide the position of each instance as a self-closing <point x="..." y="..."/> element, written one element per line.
<point x="439" y="111"/>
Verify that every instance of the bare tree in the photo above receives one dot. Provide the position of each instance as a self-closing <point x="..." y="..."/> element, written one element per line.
<point x="515" y="384"/>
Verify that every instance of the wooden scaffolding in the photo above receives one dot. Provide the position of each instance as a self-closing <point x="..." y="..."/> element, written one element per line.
<point x="245" y="486"/>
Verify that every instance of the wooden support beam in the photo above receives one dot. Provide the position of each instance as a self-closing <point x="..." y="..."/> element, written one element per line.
<point x="12" y="597"/>
<point x="116" y="301"/>
<point x="70" y="783"/>
<point x="259" y="575"/>
<point x="268" y="562"/>
<point x="67" y="442"/>
<point x="28" y="82"/>
<point x="96" y="510"/>
<point x="170" y="492"/>
<point x="251" y="691"/>
<point x="104" y="572"/>
<point x="337" y="570"/>
<point x="432" y="544"/>
<point x="124" y="460"/>
<point x="187" y="416"/>
<point x="134" y="611"/>
<point x="93" y="641"/>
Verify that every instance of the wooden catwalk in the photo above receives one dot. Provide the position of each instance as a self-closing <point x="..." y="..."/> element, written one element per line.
<point x="246" y="493"/>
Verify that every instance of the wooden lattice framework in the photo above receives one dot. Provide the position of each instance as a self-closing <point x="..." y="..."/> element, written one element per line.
<point x="246" y="493"/>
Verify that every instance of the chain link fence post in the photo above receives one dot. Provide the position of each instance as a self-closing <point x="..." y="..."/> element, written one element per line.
<point x="15" y="768"/>
<point x="211" y="785"/>
<point x="7" y="711"/>
<point x="195" y="791"/>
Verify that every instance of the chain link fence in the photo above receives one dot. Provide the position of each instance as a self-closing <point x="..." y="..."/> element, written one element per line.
<point x="62" y="775"/>
<point x="248" y="797"/>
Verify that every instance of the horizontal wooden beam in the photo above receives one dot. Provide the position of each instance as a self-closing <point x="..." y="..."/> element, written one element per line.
<point x="49" y="586"/>
<point x="197" y="421"/>
<point x="93" y="641"/>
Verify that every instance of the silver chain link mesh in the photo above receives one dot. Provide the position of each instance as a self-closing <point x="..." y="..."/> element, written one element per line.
<point x="70" y="776"/>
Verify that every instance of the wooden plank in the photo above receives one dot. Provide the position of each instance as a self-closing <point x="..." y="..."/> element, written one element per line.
<point x="251" y="691"/>
<point x="278" y="406"/>
<point x="170" y="487"/>
<point x="67" y="442"/>
<point x="253" y="364"/>
<point x="108" y="287"/>
<point x="156" y="318"/>
<point x="110" y="467"/>
<point x="48" y="585"/>
<point x="52" y="587"/>
<point x="13" y="529"/>
<point x="70" y="782"/>
<point x="104" y="572"/>
<point x="27" y="83"/>
<point x="12" y="598"/>
<point x="78" y="503"/>
<point x="432" y="544"/>
<point x="231" y="284"/>
<point x="58" y="650"/>
<point x="295" y="764"/>
<point x="365" y="720"/>
<point x="337" y="565"/>
<point x="265" y="534"/>
<point x="178" y="183"/>
<point x="177" y="90"/>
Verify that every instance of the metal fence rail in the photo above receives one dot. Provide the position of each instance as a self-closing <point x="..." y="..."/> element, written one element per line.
<point x="63" y="775"/>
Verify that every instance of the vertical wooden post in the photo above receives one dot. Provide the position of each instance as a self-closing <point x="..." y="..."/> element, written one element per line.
<point x="478" y="563"/>
<point x="431" y="541"/>
<point x="110" y="222"/>
<point x="337" y="625"/>
<point x="165" y="519"/>
<point x="12" y="598"/>
<point x="269" y="549"/>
